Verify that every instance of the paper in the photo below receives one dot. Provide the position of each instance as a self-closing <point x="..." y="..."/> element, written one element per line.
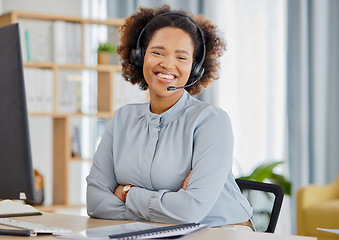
<point x="329" y="230"/>
<point x="102" y="233"/>
<point x="9" y="208"/>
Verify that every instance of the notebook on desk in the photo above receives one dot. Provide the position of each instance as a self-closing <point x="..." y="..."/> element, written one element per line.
<point x="170" y="232"/>
<point x="9" y="208"/>
<point x="136" y="230"/>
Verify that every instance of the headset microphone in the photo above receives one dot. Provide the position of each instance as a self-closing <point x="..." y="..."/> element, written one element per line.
<point x="172" y="88"/>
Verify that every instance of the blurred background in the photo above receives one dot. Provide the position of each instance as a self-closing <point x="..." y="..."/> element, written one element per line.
<point x="279" y="83"/>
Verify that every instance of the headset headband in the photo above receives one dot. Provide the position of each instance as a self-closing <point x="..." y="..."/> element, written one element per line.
<point x="181" y="15"/>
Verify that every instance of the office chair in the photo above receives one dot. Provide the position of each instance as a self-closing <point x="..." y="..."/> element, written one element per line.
<point x="266" y="200"/>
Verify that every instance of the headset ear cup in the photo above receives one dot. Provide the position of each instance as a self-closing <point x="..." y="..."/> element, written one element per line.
<point x="132" y="56"/>
<point x="137" y="57"/>
<point x="196" y="72"/>
<point x="200" y="73"/>
<point x="193" y="72"/>
<point x="141" y="57"/>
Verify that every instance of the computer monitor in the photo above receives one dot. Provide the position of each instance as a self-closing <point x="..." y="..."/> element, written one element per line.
<point x="16" y="171"/>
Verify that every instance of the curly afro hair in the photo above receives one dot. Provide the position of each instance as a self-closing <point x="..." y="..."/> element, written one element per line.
<point x="130" y="30"/>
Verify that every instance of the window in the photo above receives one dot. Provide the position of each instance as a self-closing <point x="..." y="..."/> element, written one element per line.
<point x="252" y="84"/>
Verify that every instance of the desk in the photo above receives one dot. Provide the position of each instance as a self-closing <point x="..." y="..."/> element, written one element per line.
<point x="78" y="223"/>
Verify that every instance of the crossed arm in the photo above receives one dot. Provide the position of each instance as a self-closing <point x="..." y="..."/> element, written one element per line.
<point x="119" y="192"/>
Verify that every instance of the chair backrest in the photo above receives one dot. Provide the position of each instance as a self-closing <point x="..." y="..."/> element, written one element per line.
<point x="271" y="212"/>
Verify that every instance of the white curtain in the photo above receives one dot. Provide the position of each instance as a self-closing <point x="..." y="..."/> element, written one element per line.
<point x="313" y="91"/>
<point x="313" y="83"/>
<point x="252" y="87"/>
<point x="252" y="84"/>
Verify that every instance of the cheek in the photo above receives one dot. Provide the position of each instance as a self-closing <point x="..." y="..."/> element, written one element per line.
<point x="187" y="69"/>
<point x="150" y="62"/>
<point x="146" y="67"/>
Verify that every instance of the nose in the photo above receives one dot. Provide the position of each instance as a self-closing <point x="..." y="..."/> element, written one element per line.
<point x="168" y="63"/>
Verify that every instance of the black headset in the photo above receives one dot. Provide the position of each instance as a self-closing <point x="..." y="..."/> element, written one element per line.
<point x="137" y="55"/>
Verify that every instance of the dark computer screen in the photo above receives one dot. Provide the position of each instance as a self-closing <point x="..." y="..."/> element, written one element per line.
<point x="16" y="171"/>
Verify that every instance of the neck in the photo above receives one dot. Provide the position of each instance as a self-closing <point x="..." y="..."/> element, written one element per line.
<point x="162" y="104"/>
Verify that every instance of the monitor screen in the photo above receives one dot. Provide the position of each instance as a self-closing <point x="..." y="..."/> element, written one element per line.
<point x="16" y="171"/>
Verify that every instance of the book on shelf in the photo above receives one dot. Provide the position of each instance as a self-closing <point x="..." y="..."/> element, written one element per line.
<point x="77" y="90"/>
<point x="38" y="38"/>
<point x="76" y="144"/>
<point x="126" y="93"/>
<point x="23" y="43"/>
<point x="89" y="92"/>
<point x="51" y="41"/>
<point x="39" y="89"/>
<point x="59" y="43"/>
<point x="9" y="208"/>
<point x="73" y="42"/>
<point x="69" y="82"/>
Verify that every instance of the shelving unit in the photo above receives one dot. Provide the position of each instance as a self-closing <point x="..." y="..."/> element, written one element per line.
<point x="62" y="143"/>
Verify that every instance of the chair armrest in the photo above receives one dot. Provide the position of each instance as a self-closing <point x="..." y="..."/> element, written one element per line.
<point x="313" y="194"/>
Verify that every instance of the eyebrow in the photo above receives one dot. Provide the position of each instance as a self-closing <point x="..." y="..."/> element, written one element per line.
<point x="177" y="51"/>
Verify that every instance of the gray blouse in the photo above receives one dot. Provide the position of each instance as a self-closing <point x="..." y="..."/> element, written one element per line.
<point x="155" y="153"/>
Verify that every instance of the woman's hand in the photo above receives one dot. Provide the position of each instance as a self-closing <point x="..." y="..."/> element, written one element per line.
<point x="119" y="193"/>
<point x="185" y="183"/>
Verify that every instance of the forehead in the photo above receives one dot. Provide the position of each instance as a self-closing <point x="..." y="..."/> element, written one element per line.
<point x="172" y="37"/>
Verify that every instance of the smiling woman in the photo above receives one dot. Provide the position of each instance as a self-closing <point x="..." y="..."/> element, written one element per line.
<point x="161" y="161"/>
<point x="207" y="42"/>
<point x="168" y="61"/>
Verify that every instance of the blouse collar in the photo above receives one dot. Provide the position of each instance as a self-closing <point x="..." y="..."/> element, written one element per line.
<point x="170" y="115"/>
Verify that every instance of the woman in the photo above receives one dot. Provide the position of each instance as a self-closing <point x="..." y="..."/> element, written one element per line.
<point x="168" y="160"/>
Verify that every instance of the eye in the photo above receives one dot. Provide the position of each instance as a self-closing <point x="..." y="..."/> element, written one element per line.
<point x="157" y="53"/>
<point x="182" y="58"/>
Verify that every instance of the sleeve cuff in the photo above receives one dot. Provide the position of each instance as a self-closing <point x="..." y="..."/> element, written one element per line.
<point x="138" y="202"/>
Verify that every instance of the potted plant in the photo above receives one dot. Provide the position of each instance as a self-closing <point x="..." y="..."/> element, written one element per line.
<point x="104" y="51"/>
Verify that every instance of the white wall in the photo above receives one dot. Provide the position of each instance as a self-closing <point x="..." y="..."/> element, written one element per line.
<point x="41" y="132"/>
<point x="64" y="7"/>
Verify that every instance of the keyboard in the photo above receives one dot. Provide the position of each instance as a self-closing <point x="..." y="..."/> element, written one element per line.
<point x="35" y="228"/>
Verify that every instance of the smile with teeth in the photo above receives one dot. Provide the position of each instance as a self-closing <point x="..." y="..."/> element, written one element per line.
<point x="166" y="76"/>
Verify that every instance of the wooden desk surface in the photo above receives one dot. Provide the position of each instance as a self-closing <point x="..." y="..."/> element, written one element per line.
<point x="78" y="223"/>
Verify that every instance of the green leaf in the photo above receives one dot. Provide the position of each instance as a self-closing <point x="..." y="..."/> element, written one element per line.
<point x="107" y="47"/>
<point x="265" y="172"/>
<point x="281" y="181"/>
